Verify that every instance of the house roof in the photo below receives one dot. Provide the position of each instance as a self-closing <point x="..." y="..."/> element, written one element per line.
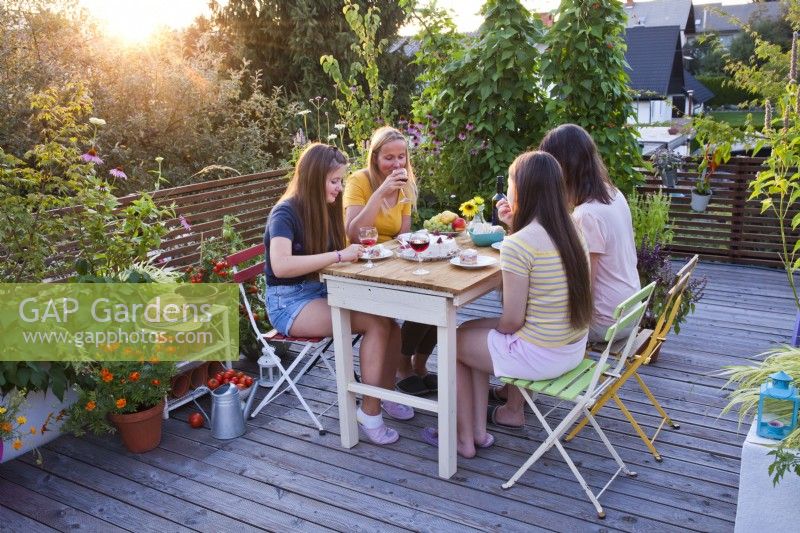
<point x="655" y="60"/>
<point x="661" y="13"/>
<point x="701" y="94"/>
<point x="711" y="21"/>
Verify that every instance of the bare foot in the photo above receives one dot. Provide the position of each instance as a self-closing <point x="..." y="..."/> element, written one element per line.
<point x="502" y="416"/>
<point x="466" y="449"/>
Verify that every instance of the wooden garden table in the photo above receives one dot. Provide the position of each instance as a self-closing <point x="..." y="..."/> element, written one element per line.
<point x="390" y="289"/>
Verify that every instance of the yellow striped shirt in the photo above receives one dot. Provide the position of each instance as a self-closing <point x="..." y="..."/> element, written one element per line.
<point x="547" y="313"/>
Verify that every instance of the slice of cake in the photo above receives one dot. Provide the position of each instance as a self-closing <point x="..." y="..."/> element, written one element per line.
<point x="440" y="246"/>
<point x="468" y="257"/>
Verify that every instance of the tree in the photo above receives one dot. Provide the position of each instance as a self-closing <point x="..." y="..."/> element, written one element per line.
<point x="584" y="68"/>
<point x="284" y="39"/>
<point x="484" y="90"/>
<point x="776" y="30"/>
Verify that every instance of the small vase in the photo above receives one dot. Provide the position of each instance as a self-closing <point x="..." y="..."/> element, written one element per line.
<point x="140" y="432"/>
<point x="477" y="219"/>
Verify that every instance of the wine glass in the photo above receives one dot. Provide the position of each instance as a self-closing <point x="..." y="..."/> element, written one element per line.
<point x="419" y="243"/>
<point x="368" y="236"/>
<point x="404" y="199"/>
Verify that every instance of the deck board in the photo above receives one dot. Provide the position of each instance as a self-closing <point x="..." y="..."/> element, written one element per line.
<point x="283" y="476"/>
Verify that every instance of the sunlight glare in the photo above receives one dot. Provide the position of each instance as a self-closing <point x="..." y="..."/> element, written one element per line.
<point x="134" y="22"/>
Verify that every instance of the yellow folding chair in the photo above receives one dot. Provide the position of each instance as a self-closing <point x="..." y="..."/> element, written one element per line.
<point x="582" y="386"/>
<point x="648" y="343"/>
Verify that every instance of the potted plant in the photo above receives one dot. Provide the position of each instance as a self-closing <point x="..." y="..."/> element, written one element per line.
<point x="665" y="166"/>
<point x="701" y="192"/>
<point x="123" y="395"/>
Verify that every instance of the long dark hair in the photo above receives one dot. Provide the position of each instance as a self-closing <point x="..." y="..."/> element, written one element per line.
<point x="584" y="172"/>
<point x="306" y="191"/>
<point x="541" y="197"/>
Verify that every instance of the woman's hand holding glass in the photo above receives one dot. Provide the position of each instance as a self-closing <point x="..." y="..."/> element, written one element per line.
<point x="395" y="182"/>
<point x="504" y="212"/>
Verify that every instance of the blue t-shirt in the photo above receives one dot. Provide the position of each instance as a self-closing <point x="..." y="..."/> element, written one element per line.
<point x="283" y="221"/>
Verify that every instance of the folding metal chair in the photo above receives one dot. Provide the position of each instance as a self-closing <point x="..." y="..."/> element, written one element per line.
<point x="648" y="343"/>
<point x="582" y="386"/>
<point x="313" y="351"/>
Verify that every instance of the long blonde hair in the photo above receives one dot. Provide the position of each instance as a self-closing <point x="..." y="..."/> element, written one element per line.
<point x="306" y="191"/>
<point x="380" y="138"/>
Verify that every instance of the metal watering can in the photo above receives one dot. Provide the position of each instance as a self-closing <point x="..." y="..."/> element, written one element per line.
<point x="227" y="413"/>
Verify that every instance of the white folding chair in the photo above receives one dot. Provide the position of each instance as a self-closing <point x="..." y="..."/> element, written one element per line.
<point x="582" y="386"/>
<point x="313" y="350"/>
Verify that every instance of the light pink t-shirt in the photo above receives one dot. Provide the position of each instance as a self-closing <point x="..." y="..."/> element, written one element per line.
<point x="608" y="230"/>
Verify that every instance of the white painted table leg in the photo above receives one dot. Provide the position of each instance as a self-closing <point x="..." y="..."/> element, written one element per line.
<point x="448" y="460"/>
<point x="343" y="350"/>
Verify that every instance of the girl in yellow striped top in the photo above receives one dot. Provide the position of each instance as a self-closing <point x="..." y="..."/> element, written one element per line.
<point x="547" y="300"/>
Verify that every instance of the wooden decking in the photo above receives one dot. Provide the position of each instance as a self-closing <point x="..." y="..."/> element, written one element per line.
<point x="283" y="476"/>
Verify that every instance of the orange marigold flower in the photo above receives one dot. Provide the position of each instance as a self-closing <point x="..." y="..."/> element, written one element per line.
<point x="122" y="402"/>
<point x="90" y="405"/>
<point x="33" y="430"/>
<point x="17" y="444"/>
<point x="108" y="376"/>
<point x="6" y="427"/>
<point x="134" y="376"/>
<point x="156" y="382"/>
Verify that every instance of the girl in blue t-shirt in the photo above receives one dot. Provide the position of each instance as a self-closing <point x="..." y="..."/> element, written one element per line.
<point x="305" y="233"/>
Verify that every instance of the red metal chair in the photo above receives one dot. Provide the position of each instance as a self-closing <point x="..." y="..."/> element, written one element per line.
<point x="313" y="350"/>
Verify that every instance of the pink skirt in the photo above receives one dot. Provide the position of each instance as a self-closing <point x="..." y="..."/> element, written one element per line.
<point x="517" y="358"/>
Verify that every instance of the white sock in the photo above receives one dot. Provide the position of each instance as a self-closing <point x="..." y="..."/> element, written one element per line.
<point x="369" y="421"/>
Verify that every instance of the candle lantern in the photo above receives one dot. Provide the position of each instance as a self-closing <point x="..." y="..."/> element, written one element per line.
<point x="778" y="404"/>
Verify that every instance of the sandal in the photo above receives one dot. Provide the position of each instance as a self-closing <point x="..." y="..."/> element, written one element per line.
<point x="491" y="418"/>
<point x="431" y="381"/>
<point x="398" y="411"/>
<point x="380" y="435"/>
<point x="413" y="385"/>
<point x="494" y="397"/>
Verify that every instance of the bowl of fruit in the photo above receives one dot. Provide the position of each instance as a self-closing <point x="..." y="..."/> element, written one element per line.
<point x="445" y="223"/>
<point x="242" y="381"/>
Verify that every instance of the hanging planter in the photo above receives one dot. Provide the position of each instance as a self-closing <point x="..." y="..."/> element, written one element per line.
<point x="700" y="201"/>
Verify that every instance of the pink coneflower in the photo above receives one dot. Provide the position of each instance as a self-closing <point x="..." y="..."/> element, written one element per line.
<point x="91" y="157"/>
<point x="118" y="173"/>
<point x="185" y="223"/>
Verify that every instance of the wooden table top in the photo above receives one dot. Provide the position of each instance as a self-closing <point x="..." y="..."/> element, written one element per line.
<point x="442" y="276"/>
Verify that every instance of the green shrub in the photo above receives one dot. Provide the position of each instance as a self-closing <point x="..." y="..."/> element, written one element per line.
<point x="650" y="214"/>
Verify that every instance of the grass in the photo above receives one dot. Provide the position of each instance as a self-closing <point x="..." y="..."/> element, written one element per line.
<point x="738" y="118"/>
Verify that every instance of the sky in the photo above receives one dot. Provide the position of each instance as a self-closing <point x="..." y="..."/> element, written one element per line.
<point x="135" y="20"/>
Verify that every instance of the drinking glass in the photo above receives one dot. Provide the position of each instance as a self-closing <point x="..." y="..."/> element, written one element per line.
<point x="368" y="236"/>
<point x="404" y="199"/>
<point x="419" y="242"/>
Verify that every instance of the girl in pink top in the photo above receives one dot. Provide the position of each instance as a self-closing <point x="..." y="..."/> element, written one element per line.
<point x="603" y="215"/>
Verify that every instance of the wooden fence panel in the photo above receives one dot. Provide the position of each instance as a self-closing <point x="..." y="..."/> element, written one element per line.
<point x="732" y="228"/>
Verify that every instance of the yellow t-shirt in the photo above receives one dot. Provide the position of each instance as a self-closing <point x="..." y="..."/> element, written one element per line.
<point x="357" y="191"/>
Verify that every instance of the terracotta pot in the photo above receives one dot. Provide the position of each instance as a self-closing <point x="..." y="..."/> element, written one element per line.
<point x="180" y="385"/>
<point x="140" y="432"/>
<point x="199" y="376"/>
<point x="214" y="367"/>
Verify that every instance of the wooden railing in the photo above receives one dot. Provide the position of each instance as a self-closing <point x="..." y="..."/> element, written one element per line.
<point x="732" y="228"/>
<point x="204" y="205"/>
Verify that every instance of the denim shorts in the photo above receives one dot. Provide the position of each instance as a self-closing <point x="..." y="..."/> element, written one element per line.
<point x="284" y="302"/>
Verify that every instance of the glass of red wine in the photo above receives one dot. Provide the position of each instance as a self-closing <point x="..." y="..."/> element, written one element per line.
<point x="368" y="236"/>
<point x="419" y="243"/>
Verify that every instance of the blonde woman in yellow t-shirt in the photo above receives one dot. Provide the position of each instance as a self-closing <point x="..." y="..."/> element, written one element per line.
<point x="383" y="195"/>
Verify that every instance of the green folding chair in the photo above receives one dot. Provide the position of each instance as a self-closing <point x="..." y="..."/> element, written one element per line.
<point x="582" y="386"/>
